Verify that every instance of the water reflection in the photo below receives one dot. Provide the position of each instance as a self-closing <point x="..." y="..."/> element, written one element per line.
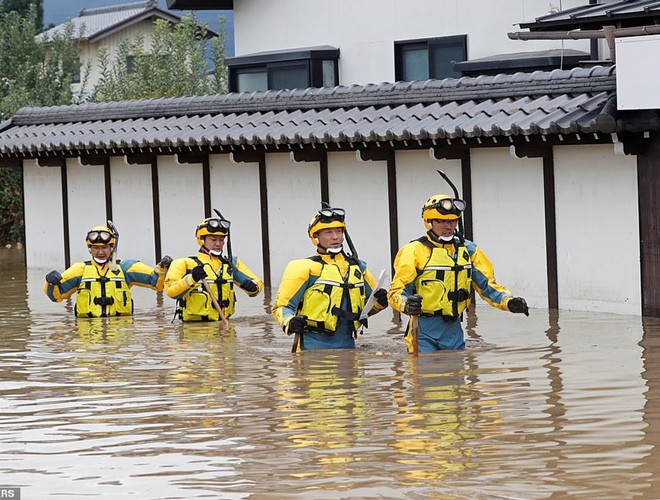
<point x="557" y="405"/>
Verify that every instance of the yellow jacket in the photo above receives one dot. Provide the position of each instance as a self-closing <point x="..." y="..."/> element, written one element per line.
<point x="412" y="258"/>
<point x="179" y="283"/>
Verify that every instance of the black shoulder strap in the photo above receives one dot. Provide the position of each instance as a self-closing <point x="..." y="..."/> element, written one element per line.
<point x="317" y="258"/>
<point x="424" y="241"/>
<point x="352" y="260"/>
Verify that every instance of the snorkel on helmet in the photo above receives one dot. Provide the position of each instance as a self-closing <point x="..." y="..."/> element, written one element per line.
<point x="444" y="207"/>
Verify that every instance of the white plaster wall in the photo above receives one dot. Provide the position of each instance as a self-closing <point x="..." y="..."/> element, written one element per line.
<point x="365" y="31"/>
<point x="417" y="180"/>
<point x="508" y="220"/>
<point x="44" y="227"/>
<point x="235" y="193"/>
<point x="86" y="192"/>
<point x="294" y="196"/>
<point x="132" y="210"/>
<point x="360" y="187"/>
<point x="597" y="230"/>
<point x="181" y="196"/>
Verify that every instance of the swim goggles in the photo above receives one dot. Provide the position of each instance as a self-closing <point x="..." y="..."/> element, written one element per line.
<point x="448" y="206"/>
<point x="330" y="214"/>
<point x="216" y="225"/>
<point x="99" y="237"/>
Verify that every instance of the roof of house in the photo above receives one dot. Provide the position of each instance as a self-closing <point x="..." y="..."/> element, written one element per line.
<point x="94" y="24"/>
<point x="501" y="107"/>
<point x="200" y="4"/>
<point x="542" y="59"/>
<point x="622" y="14"/>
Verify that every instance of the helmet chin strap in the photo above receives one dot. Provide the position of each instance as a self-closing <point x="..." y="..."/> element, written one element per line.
<point x="100" y="261"/>
<point x="443" y="239"/>
<point x="331" y="251"/>
<point x="215" y="253"/>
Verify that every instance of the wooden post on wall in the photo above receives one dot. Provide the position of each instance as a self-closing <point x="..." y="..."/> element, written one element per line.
<point x="648" y="182"/>
<point x="545" y="153"/>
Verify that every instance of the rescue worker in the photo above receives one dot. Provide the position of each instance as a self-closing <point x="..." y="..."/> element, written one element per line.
<point x="103" y="283"/>
<point x="434" y="276"/>
<point x="320" y="298"/>
<point x="221" y="273"/>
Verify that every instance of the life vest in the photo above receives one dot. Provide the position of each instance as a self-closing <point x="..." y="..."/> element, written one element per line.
<point x="100" y="296"/>
<point x="445" y="281"/>
<point x="197" y="304"/>
<point x="322" y="301"/>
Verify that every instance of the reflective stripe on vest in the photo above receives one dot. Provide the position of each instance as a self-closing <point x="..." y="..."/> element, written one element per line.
<point x="322" y="302"/>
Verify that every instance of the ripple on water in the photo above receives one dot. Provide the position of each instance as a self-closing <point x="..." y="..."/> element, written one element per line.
<point x="557" y="405"/>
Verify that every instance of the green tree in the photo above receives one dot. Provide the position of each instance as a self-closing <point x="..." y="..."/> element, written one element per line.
<point x="32" y="73"/>
<point x="174" y="65"/>
<point x="30" y="9"/>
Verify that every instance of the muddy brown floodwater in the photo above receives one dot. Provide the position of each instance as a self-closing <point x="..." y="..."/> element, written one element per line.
<point x="558" y="405"/>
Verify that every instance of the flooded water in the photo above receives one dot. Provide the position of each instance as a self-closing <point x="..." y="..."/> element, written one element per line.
<point x="557" y="405"/>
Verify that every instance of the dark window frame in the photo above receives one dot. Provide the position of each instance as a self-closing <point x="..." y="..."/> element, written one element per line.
<point x="312" y="59"/>
<point x="76" y="74"/>
<point x="431" y="45"/>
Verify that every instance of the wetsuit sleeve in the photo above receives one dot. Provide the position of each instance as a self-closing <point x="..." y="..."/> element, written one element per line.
<point x="242" y="273"/>
<point x="139" y="274"/>
<point x="68" y="285"/>
<point x="405" y="272"/>
<point x="178" y="280"/>
<point x="296" y="279"/>
<point x="483" y="279"/>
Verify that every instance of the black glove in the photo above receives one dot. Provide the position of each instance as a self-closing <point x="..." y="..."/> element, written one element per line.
<point x="249" y="286"/>
<point x="297" y="324"/>
<point x="198" y="273"/>
<point x="165" y="262"/>
<point x="54" y="278"/>
<point x="518" y="305"/>
<point x="381" y="297"/>
<point x="413" y="306"/>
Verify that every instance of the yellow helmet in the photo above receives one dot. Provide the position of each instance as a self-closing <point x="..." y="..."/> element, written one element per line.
<point x="99" y="236"/>
<point x="325" y="218"/>
<point x="442" y="206"/>
<point x="211" y="225"/>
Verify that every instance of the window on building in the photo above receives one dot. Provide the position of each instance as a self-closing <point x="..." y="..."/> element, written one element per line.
<point x="289" y="69"/>
<point x="75" y="74"/>
<point x="130" y="64"/>
<point x="429" y="58"/>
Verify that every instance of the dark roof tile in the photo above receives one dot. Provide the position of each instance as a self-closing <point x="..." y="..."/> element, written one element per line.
<point x="503" y="105"/>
